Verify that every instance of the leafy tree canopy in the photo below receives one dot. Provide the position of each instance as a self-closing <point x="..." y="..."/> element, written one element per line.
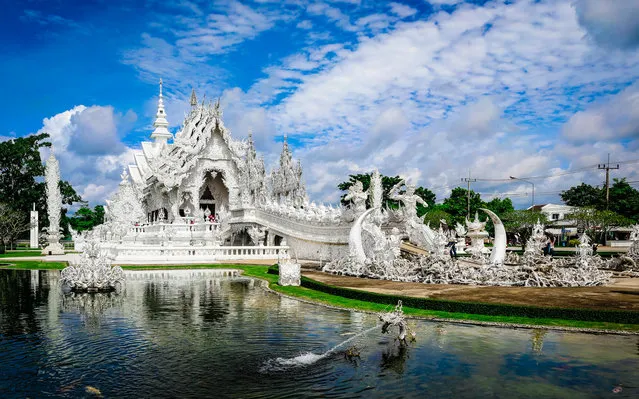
<point x="457" y="204"/>
<point x="623" y="198"/>
<point x="596" y="223"/>
<point x="20" y="169"/>
<point x="86" y="218"/>
<point x="584" y="195"/>
<point x="521" y="222"/>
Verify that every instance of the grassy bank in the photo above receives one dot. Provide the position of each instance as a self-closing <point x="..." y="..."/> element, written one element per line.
<point x="19" y="254"/>
<point x="340" y="301"/>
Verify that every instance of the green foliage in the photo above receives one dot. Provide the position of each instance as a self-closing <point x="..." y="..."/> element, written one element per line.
<point x="521" y="222"/>
<point x="85" y="218"/>
<point x="387" y="184"/>
<point x="596" y="223"/>
<point x="573" y="242"/>
<point x="428" y="196"/>
<point x="457" y="204"/>
<point x="20" y="167"/>
<point x="584" y="195"/>
<point x="500" y="206"/>
<point x="623" y="198"/>
<point x="435" y="214"/>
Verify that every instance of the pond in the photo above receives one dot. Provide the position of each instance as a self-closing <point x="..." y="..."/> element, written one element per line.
<point x="195" y="334"/>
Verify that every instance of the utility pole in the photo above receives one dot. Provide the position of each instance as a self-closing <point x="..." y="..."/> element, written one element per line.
<point x="607" y="167"/>
<point x="468" y="180"/>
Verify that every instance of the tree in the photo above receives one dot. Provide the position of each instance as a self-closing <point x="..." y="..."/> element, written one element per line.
<point x="86" y="219"/>
<point x="428" y="196"/>
<point x="584" y="195"/>
<point x="596" y="223"/>
<point x="12" y="224"/>
<point x="435" y="214"/>
<point x="387" y="184"/>
<point x="521" y="222"/>
<point x="500" y="206"/>
<point x="457" y="204"/>
<point x="624" y="200"/>
<point x="20" y="166"/>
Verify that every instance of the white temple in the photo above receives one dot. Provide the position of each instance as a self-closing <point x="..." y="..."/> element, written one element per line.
<point x="202" y="195"/>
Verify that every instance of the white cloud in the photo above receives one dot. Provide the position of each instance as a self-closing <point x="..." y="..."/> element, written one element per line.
<point x="617" y="118"/>
<point x="306" y="24"/>
<point x="402" y="10"/>
<point x="86" y="141"/>
<point x="611" y="23"/>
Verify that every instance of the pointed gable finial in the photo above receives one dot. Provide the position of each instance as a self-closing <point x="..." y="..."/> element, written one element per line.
<point x="161" y="132"/>
<point x="193" y="98"/>
<point x="217" y="109"/>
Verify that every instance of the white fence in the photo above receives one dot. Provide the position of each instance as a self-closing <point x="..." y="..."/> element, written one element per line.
<point x="193" y="254"/>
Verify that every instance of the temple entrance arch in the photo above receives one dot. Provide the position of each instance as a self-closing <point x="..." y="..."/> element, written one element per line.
<point x="213" y="193"/>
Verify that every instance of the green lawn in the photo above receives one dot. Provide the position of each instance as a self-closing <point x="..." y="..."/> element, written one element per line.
<point x="261" y="272"/>
<point x="20" y="254"/>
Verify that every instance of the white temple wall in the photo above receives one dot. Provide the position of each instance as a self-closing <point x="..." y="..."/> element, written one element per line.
<point x="313" y="250"/>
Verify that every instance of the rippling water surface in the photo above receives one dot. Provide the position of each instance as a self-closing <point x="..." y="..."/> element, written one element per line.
<point x="192" y="334"/>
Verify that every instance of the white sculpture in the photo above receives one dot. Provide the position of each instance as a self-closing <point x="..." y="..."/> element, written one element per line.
<point x="289" y="273"/>
<point x="54" y="206"/>
<point x="498" y="254"/>
<point x="357" y="195"/>
<point x="408" y="198"/>
<point x="93" y="272"/>
<point x="34" y="238"/>
<point x="477" y="235"/>
<point x="125" y="208"/>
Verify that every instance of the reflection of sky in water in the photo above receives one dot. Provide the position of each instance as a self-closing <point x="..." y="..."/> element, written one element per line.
<point x="204" y="335"/>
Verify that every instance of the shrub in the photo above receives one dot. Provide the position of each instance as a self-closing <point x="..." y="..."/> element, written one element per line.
<point x="573" y="242"/>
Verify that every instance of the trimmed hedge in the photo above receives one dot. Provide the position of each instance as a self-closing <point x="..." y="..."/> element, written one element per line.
<point x="274" y="269"/>
<point x="491" y="309"/>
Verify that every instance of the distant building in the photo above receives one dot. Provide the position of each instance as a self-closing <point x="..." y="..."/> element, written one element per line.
<point x="553" y="212"/>
<point x="556" y="215"/>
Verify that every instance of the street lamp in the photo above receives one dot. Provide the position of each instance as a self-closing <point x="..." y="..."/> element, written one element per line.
<point x="533" y="189"/>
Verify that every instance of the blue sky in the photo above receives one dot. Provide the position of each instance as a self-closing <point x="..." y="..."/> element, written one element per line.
<point x="425" y="89"/>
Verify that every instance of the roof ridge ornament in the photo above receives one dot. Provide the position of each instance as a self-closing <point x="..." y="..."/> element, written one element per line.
<point x="161" y="132"/>
<point x="193" y="98"/>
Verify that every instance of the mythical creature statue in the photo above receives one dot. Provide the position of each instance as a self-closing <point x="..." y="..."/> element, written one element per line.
<point x="358" y="196"/>
<point x="397" y="319"/>
<point x="408" y="198"/>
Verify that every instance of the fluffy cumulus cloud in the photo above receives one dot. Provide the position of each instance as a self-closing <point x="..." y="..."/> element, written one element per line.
<point x="87" y="142"/>
<point x="611" y="23"/>
<point x="431" y="91"/>
<point x="617" y="118"/>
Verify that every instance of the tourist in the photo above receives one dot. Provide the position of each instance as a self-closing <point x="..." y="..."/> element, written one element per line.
<point x="453" y="249"/>
<point x="594" y="248"/>
<point x="551" y="245"/>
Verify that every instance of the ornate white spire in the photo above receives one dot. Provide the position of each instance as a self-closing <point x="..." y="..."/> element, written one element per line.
<point x="161" y="133"/>
<point x="193" y="98"/>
